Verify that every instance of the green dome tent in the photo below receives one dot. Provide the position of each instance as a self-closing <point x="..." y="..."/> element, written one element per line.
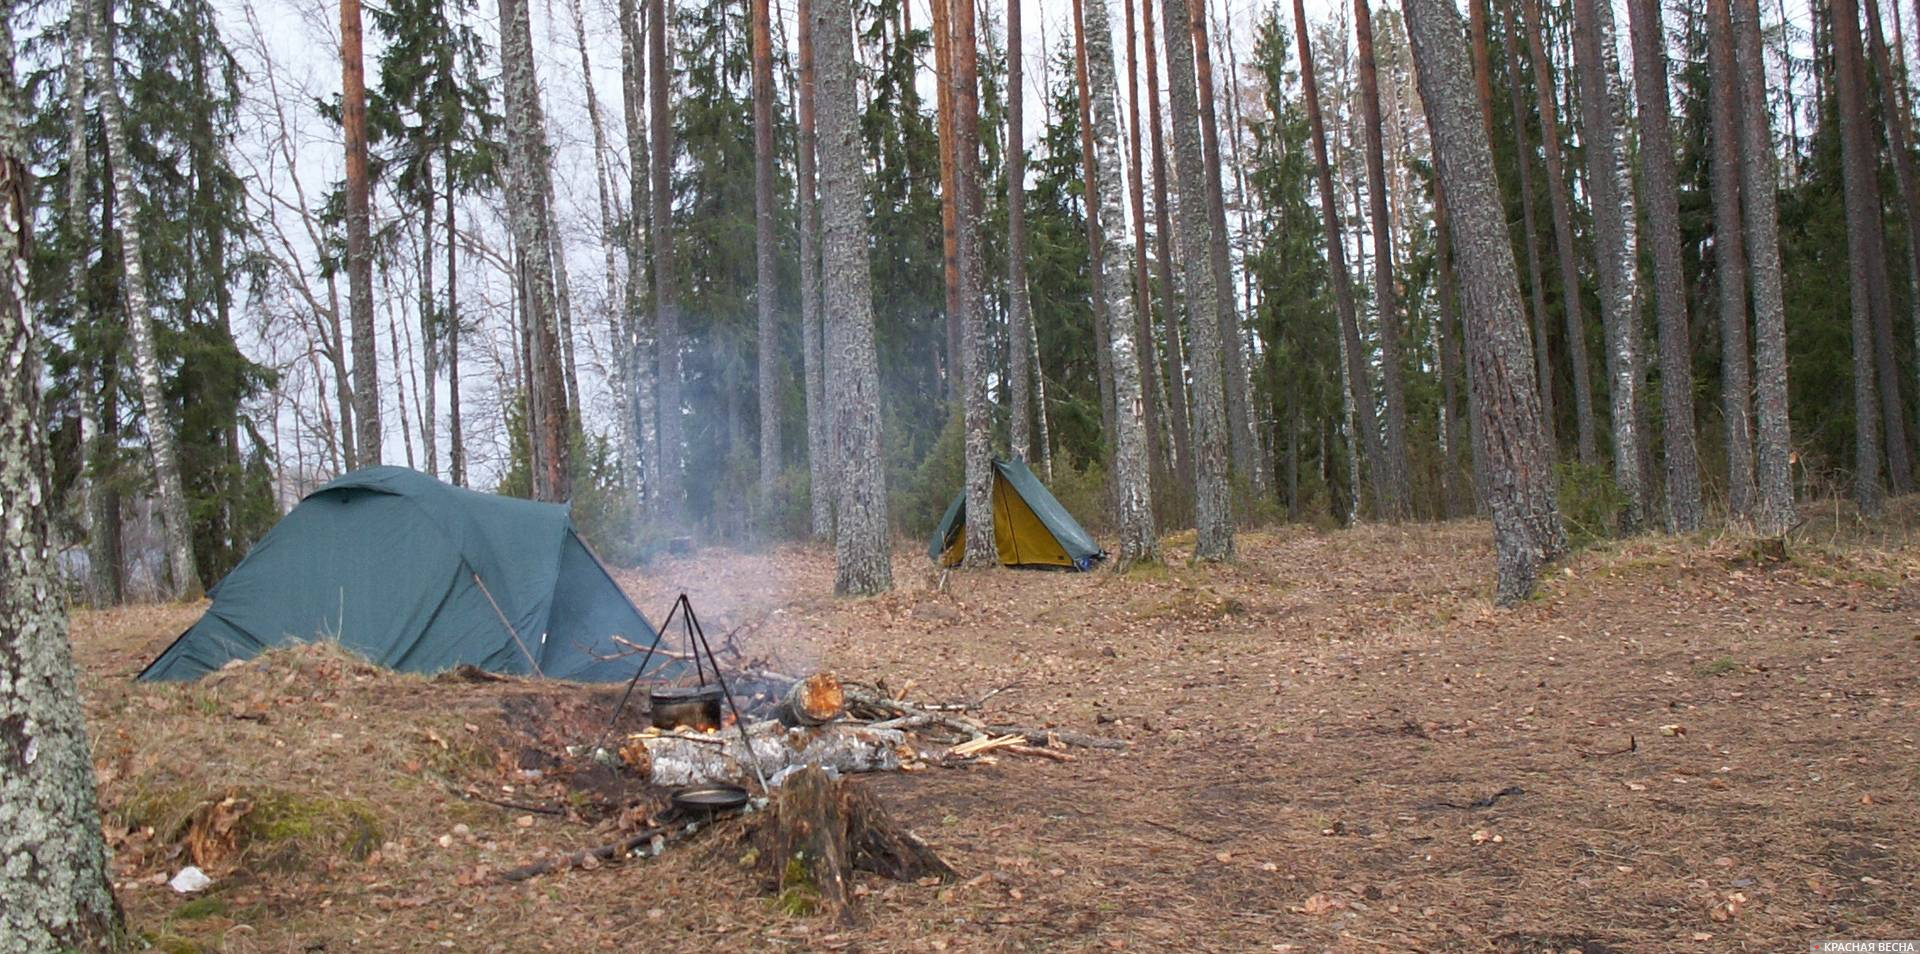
<point x="420" y="576"/>
<point x="1030" y="527"/>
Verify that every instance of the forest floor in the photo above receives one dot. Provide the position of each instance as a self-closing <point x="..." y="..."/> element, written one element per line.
<point x="1338" y="744"/>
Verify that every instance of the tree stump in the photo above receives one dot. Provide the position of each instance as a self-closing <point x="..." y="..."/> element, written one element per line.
<point x="819" y="831"/>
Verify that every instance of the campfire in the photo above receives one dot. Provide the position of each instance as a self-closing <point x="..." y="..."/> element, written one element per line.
<point x="775" y="747"/>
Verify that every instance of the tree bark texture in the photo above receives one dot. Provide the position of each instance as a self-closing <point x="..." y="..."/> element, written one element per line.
<point x="862" y="565"/>
<point x="1561" y="206"/>
<point x="1019" y="302"/>
<point x="636" y="333"/>
<point x="970" y="225"/>
<point x="353" y="124"/>
<point x="1866" y="250"/>
<point x="1898" y="119"/>
<point x="1152" y="393"/>
<point x="1530" y="228"/>
<point x="169" y="491"/>
<point x="1669" y="273"/>
<point x="820" y="466"/>
<point x="1397" y="503"/>
<point x="1520" y="483"/>
<point x="666" y="302"/>
<point x="767" y="280"/>
<point x="54" y="874"/>
<point x="1174" y="364"/>
<point x="1213" y="504"/>
<point x="1096" y="232"/>
<point x="1729" y="263"/>
<point x="1616" y="242"/>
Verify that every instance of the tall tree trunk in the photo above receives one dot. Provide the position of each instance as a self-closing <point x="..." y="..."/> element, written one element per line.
<point x="666" y="303"/>
<point x="969" y="229"/>
<point x="1561" y="206"/>
<point x="1480" y="28"/>
<point x="353" y="123"/>
<point x="1893" y="108"/>
<point x="1397" y="502"/>
<point x="1447" y="343"/>
<point x="169" y="492"/>
<point x="1245" y="452"/>
<point x="1520" y="489"/>
<point x="1019" y="302"/>
<point x="1132" y="487"/>
<point x="59" y="895"/>
<point x="1174" y="367"/>
<point x="1359" y="383"/>
<point x="1669" y="274"/>
<point x="943" y="44"/>
<point x="862" y="566"/>
<point x="1096" y="234"/>
<point x="767" y="279"/>
<point x="642" y="423"/>
<point x="1146" y="355"/>
<point x="1213" y="503"/>
<point x="456" y="434"/>
<point x="103" y="585"/>
<point x="1616" y="242"/>
<point x="556" y="261"/>
<point x="529" y="186"/>
<point x="820" y="464"/>
<point x="1866" y="253"/>
<point x="1529" y="223"/>
<point x="429" y="329"/>
<point x="609" y="204"/>
<point x="1729" y="262"/>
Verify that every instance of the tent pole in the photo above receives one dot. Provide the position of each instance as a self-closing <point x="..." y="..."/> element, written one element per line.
<point x="535" y="663"/>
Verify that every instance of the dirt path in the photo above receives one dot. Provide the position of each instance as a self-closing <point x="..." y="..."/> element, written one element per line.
<point x="1338" y="745"/>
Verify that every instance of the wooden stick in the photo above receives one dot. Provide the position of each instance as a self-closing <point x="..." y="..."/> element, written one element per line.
<point x="606" y="852"/>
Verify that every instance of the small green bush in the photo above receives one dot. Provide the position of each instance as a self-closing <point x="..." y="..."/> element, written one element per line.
<point x="1590" y="503"/>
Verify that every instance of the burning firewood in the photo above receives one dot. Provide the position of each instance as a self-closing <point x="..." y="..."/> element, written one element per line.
<point x="815" y="700"/>
<point x="820" y="830"/>
<point x="692" y="758"/>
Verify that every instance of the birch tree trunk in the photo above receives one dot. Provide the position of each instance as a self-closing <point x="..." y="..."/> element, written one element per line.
<point x="969" y="225"/>
<point x="666" y="305"/>
<point x="861" y="561"/>
<point x="820" y="462"/>
<point x="1132" y="486"/>
<point x="1241" y="443"/>
<point x="767" y="279"/>
<point x="54" y="874"/>
<point x="529" y="183"/>
<point x="169" y="493"/>
<point x="1520" y="488"/>
<point x="1354" y="357"/>
<point x="1669" y="274"/>
<point x="609" y="202"/>
<point x="1396" y="503"/>
<point x="353" y="124"/>
<point x="1019" y="302"/>
<point x="638" y="446"/>
<point x="1616" y="243"/>
<point x="103" y="585"/>
<point x="1561" y="206"/>
<point x="1213" y="504"/>
<point x="1729" y="262"/>
<point x="1865" y="249"/>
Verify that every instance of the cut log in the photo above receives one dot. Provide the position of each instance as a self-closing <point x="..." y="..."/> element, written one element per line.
<point x="815" y="700"/>
<point x="820" y="830"/>
<point x="688" y="759"/>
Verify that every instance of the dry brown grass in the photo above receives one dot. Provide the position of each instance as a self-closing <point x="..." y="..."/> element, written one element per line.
<point x="1312" y="724"/>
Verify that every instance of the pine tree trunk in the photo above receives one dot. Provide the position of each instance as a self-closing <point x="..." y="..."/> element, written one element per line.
<point x="1154" y="398"/>
<point x="767" y="279"/>
<point x="1561" y="206"/>
<point x="58" y="894"/>
<point x="1894" y="111"/>
<point x="1397" y="502"/>
<point x="862" y="565"/>
<point x="1131" y="479"/>
<point x="1096" y="233"/>
<point x="1729" y="263"/>
<point x="429" y="329"/>
<point x="556" y="260"/>
<point x="969" y="229"/>
<point x="1669" y="277"/>
<point x="611" y="308"/>
<point x="666" y="303"/>
<point x="1213" y="503"/>
<point x="1359" y="383"/>
<point x="169" y="492"/>
<point x="637" y="395"/>
<point x="1616" y="242"/>
<point x="1529" y="224"/>
<point x="1447" y="342"/>
<point x="456" y="435"/>
<point x="949" y="187"/>
<point x="1520" y="488"/>
<point x="1245" y="452"/>
<point x="820" y="463"/>
<point x="1174" y="366"/>
<point x="1478" y="26"/>
<point x="529" y="185"/>
<point x="1019" y="301"/>
<point x="1866" y="253"/>
<point x="353" y="123"/>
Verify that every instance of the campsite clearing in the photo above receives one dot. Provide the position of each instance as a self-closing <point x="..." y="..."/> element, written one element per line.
<point x="1338" y="745"/>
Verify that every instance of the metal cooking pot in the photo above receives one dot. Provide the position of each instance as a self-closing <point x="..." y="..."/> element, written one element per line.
<point x="694" y="707"/>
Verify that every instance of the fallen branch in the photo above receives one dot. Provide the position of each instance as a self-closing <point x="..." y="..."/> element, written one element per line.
<point x="601" y="853"/>
<point x="1045" y="753"/>
<point x="1048" y="736"/>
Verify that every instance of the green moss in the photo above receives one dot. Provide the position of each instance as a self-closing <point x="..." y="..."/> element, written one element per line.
<point x="210" y="906"/>
<point x="313" y="823"/>
<point x="799" y="896"/>
<point x="1719" y="667"/>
